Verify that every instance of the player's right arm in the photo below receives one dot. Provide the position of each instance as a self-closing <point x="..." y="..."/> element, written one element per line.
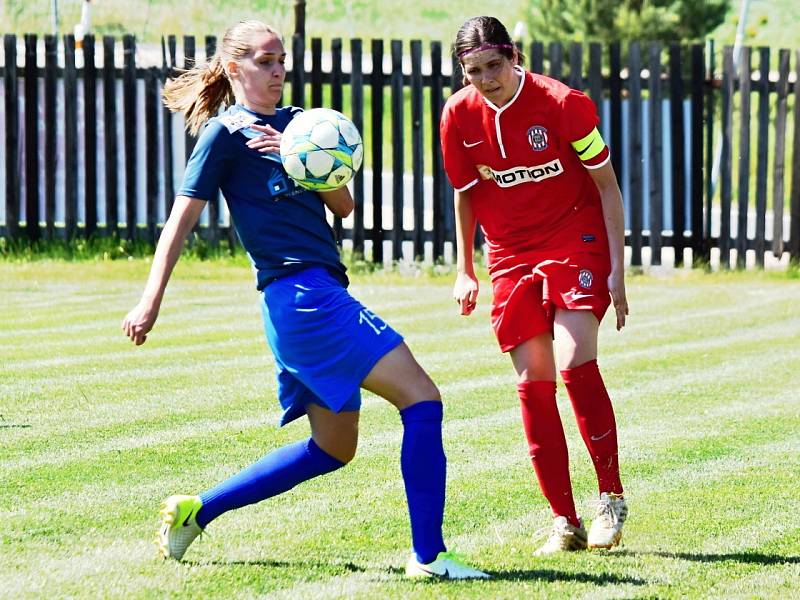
<point x="185" y="213"/>
<point x="465" y="290"/>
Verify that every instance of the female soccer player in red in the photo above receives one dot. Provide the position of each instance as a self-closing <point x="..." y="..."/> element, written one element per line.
<point x="326" y="344"/>
<point x="527" y="162"/>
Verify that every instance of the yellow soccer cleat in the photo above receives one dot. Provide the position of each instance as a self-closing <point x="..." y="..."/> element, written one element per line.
<point x="179" y="526"/>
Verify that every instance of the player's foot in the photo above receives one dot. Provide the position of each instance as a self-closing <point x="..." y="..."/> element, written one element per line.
<point x="606" y="529"/>
<point x="564" y="537"/>
<point x="446" y="566"/>
<point x="178" y="526"/>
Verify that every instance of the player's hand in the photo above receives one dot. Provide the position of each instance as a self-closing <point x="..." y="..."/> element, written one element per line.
<point x="465" y="292"/>
<point x="268" y="141"/>
<point x="616" y="286"/>
<point x="138" y="323"/>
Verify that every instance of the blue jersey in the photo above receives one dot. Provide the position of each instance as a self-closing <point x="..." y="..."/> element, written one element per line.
<point x="282" y="226"/>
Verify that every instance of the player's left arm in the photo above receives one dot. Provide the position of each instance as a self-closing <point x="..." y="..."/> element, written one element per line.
<point x="614" y="216"/>
<point x="340" y="202"/>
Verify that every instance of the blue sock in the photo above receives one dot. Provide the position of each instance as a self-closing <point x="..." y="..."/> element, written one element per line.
<point x="277" y="472"/>
<point x="424" y="466"/>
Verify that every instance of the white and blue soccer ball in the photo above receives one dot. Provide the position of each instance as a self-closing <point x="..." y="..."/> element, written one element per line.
<point x="321" y="149"/>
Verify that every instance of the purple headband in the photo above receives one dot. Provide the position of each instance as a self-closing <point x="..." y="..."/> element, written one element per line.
<point x="485" y="47"/>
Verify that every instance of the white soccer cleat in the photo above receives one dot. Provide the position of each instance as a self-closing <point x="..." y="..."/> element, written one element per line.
<point x="179" y="526"/>
<point x="446" y="566"/>
<point x="606" y="529"/>
<point x="564" y="537"/>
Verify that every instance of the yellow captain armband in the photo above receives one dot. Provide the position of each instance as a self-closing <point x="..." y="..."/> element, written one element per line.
<point x="590" y="146"/>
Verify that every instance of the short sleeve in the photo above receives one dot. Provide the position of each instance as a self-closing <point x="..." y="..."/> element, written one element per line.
<point x="580" y="123"/>
<point x="209" y="163"/>
<point x="459" y="168"/>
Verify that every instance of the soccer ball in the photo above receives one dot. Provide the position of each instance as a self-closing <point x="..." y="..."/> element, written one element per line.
<point x="321" y="149"/>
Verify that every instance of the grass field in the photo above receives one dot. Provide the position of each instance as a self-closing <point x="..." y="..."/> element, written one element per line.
<point x="94" y="433"/>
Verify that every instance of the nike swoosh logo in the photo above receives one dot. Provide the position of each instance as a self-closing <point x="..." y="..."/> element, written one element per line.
<point x="599" y="437"/>
<point x="579" y="296"/>
<point x="445" y="575"/>
<point x="473" y="144"/>
<point x="186" y="520"/>
<point x="584" y="150"/>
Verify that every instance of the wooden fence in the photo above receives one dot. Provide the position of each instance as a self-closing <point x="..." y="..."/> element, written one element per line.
<point x="90" y="151"/>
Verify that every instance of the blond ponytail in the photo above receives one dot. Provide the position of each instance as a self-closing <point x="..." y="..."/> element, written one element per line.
<point x="198" y="93"/>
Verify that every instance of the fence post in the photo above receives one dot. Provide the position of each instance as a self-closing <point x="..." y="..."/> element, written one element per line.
<point x="575" y="80"/>
<point x="12" y="135"/>
<point x="357" y="99"/>
<point x="31" y="139"/>
<point x="556" y="51"/>
<point x="696" y="153"/>
<point x="110" y="135"/>
<point x="167" y="67"/>
<point x="725" y="162"/>
<point x="89" y="136"/>
<point x="656" y="195"/>
<point x="596" y="75"/>
<point x="50" y="150"/>
<point x="129" y="97"/>
<point x="337" y="104"/>
<point x="377" y="150"/>
<point x="298" y="71"/>
<point x="635" y="125"/>
<point x="615" y="104"/>
<point x="417" y="159"/>
<point x="744" y="157"/>
<point x="709" y="121"/>
<point x="537" y="57"/>
<point x="678" y="176"/>
<point x="189" y="52"/>
<point x="316" y="72"/>
<point x="437" y="84"/>
<point x="151" y="150"/>
<point x="778" y="173"/>
<point x="794" y="225"/>
<point x="763" y="154"/>
<point x="398" y="149"/>
<point x="70" y="139"/>
<point x="215" y="203"/>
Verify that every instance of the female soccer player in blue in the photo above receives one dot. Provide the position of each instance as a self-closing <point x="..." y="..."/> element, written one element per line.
<point x="326" y="344"/>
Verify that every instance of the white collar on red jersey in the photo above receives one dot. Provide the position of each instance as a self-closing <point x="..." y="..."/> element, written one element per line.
<point x="498" y="110"/>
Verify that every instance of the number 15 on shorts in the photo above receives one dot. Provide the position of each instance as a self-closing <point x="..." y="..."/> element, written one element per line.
<point x="368" y="317"/>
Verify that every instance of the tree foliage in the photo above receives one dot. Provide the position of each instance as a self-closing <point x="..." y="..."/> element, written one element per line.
<point x="624" y="20"/>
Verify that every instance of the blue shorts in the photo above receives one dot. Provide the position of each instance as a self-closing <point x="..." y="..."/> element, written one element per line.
<point x="325" y="342"/>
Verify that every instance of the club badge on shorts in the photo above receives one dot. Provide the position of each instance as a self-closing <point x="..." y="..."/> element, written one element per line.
<point x="585" y="278"/>
<point x="537" y="138"/>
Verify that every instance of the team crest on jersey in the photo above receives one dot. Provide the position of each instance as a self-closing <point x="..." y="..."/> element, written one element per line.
<point x="585" y="278"/>
<point x="537" y="138"/>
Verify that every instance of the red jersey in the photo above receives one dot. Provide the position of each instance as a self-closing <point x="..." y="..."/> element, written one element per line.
<point x="525" y="166"/>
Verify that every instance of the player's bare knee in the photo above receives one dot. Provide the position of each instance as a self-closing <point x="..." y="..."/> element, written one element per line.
<point x="342" y="446"/>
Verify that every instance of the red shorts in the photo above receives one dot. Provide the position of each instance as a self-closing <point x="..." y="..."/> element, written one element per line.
<point x="525" y="299"/>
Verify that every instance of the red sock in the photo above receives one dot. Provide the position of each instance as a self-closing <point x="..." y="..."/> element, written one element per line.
<point x="547" y="445"/>
<point x="595" y="417"/>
